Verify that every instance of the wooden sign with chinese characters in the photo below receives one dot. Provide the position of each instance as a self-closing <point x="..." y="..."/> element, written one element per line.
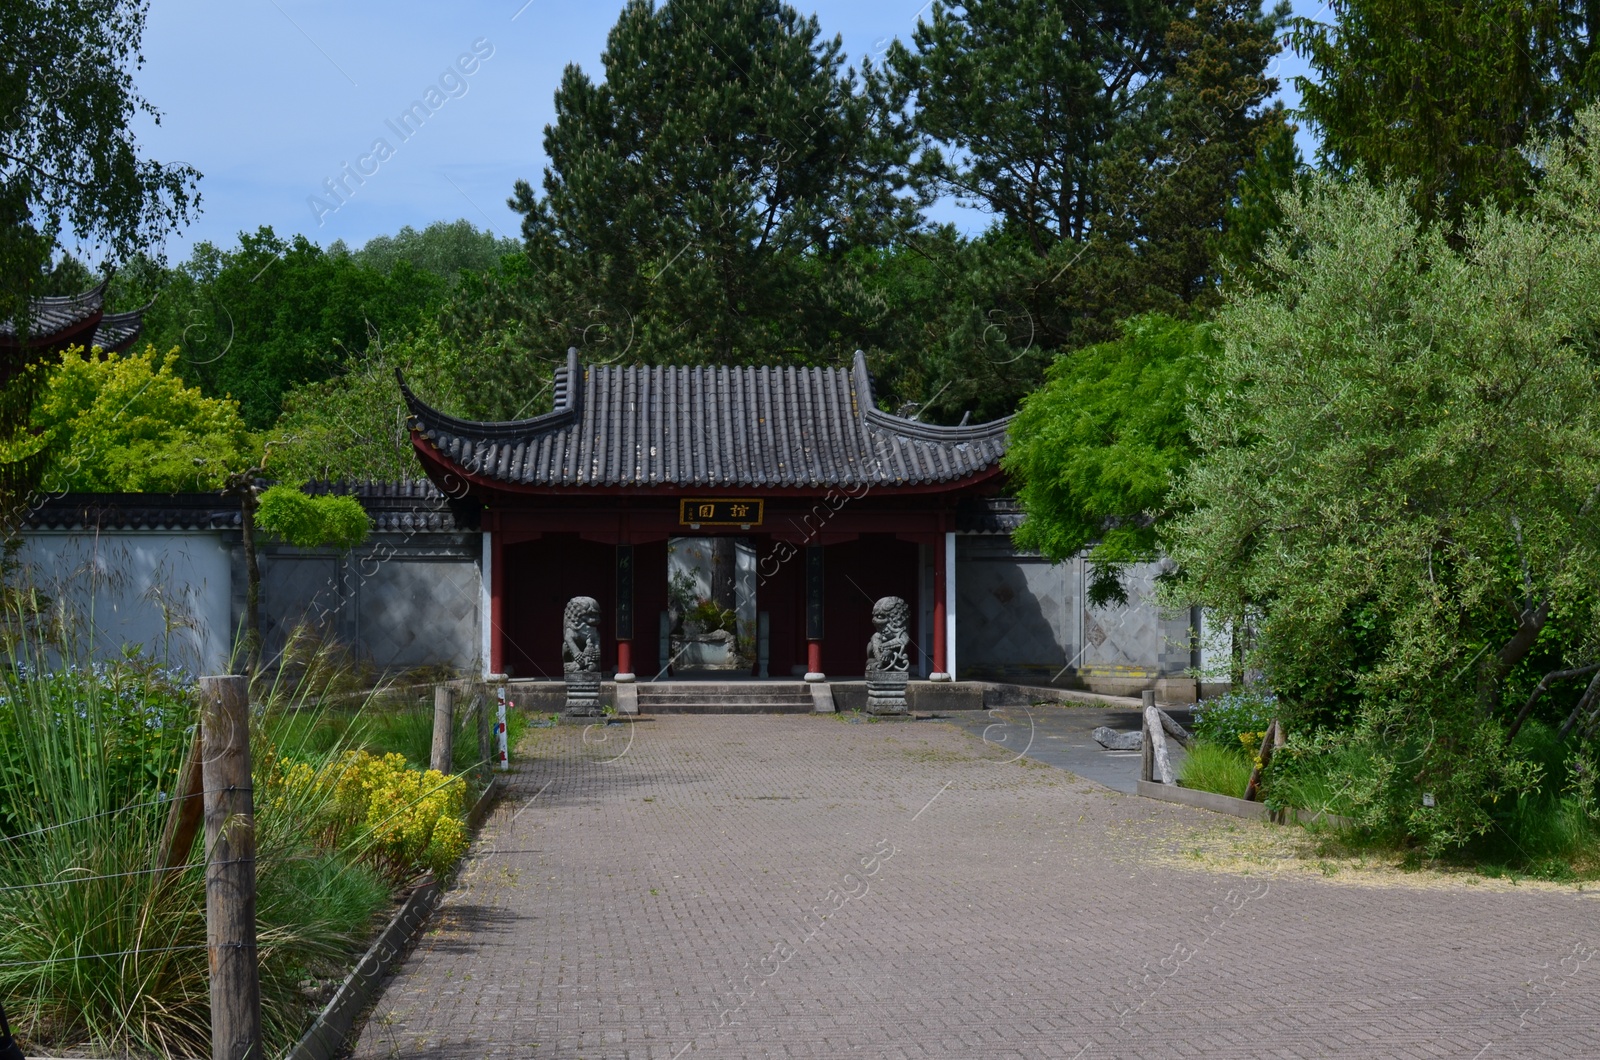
<point x="741" y="512"/>
<point x="624" y="630"/>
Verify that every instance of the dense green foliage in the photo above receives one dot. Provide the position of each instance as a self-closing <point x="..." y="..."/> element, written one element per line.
<point x="68" y="159"/>
<point x="69" y="163"/>
<point x="444" y="248"/>
<point x="1095" y="450"/>
<point x="1399" y="458"/>
<point x="352" y="426"/>
<point x="701" y="202"/>
<point x="129" y="423"/>
<point x="258" y="320"/>
<point x="1449" y="94"/>
<point x="1108" y="140"/>
<point x="311" y="521"/>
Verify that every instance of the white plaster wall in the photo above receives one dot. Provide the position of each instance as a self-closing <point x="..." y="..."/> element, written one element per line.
<point x="166" y="591"/>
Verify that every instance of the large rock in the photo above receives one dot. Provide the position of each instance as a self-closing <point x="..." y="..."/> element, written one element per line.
<point x="1112" y="740"/>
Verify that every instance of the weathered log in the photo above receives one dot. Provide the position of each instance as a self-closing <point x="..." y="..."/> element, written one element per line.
<point x="183" y="819"/>
<point x="1271" y="740"/>
<point x="442" y="756"/>
<point x="1158" y="762"/>
<point x="1173" y="729"/>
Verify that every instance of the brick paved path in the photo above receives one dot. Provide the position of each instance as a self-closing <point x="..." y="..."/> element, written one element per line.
<point x="808" y="887"/>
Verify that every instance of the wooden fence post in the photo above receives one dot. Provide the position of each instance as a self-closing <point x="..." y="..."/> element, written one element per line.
<point x="486" y="754"/>
<point x="502" y="753"/>
<point x="443" y="758"/>
<point x="230" y="869"/>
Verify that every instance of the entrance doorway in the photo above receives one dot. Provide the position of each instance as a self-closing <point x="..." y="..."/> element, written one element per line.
<point x="711" y="627"/>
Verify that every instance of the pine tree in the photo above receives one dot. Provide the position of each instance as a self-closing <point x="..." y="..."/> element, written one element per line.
<point x="1448" y="93"/>
<point x="701" y="201"/>
<point x="1109" y="139"/>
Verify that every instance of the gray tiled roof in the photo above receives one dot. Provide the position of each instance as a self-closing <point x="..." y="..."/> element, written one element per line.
<point x="763" y="427"/>
<point x="989" y="515"/>
<point x="55" y="314"/>
<point x="414" y="506"/>
<point x="134" y="511"/>
<point x="117" y="331"/>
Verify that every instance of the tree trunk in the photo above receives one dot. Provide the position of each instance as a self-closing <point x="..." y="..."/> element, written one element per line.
<point x="1529" y="623"/>
<point x="1271" y="740"/>
<point x="1236" y="652"/>
<point x="1544" y="683"/>
<point x="1585" y="703"/>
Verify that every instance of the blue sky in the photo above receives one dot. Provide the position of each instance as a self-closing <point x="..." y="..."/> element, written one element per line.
<point x="271" y="98"/>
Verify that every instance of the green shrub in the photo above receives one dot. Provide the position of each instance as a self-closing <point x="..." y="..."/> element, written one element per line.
<point x="710" y="618"/>
<point x="1223" y="720"/>
<point x="309" y="521"/>
<point x="373" y="808"/>
<point x="1549" y="829"/>
<point x="1317" y="772"/>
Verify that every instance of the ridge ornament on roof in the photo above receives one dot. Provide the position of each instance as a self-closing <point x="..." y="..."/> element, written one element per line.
<point x="659" y="427"/>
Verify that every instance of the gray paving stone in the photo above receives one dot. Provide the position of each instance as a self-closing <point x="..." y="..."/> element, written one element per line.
<point x="783" y="886"/>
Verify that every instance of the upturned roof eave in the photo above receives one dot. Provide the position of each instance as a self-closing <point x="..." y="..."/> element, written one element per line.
<point x="455" y="480"/>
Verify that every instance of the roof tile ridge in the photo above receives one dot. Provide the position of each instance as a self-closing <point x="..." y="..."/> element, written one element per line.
<point x="934" y="432"/>
<point x="766" y="438"/>
<point x="727" y="445"/>
<point x="835" y="391"/>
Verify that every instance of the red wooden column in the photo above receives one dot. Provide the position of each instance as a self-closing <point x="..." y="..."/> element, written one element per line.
<point x="814" y="601"/>
<point x="625" y="612"/>
<point x="941" y="579"/>
<point x="497" y="581"/>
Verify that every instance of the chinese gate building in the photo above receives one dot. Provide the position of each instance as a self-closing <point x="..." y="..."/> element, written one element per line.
<point x="839" y="502"/>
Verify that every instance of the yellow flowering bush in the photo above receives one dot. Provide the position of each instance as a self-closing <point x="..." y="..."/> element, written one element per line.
<point x="402" y="820"/>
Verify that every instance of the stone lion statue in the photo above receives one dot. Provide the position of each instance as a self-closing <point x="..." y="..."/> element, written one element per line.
<point x="886" y="651"/>
<point x="580" y="643"/>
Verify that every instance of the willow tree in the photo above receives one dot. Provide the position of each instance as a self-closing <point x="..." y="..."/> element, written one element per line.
<point x="1399" y="467"/>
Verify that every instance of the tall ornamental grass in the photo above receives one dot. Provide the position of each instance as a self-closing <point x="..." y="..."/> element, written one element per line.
<point x="97" y="950"/>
